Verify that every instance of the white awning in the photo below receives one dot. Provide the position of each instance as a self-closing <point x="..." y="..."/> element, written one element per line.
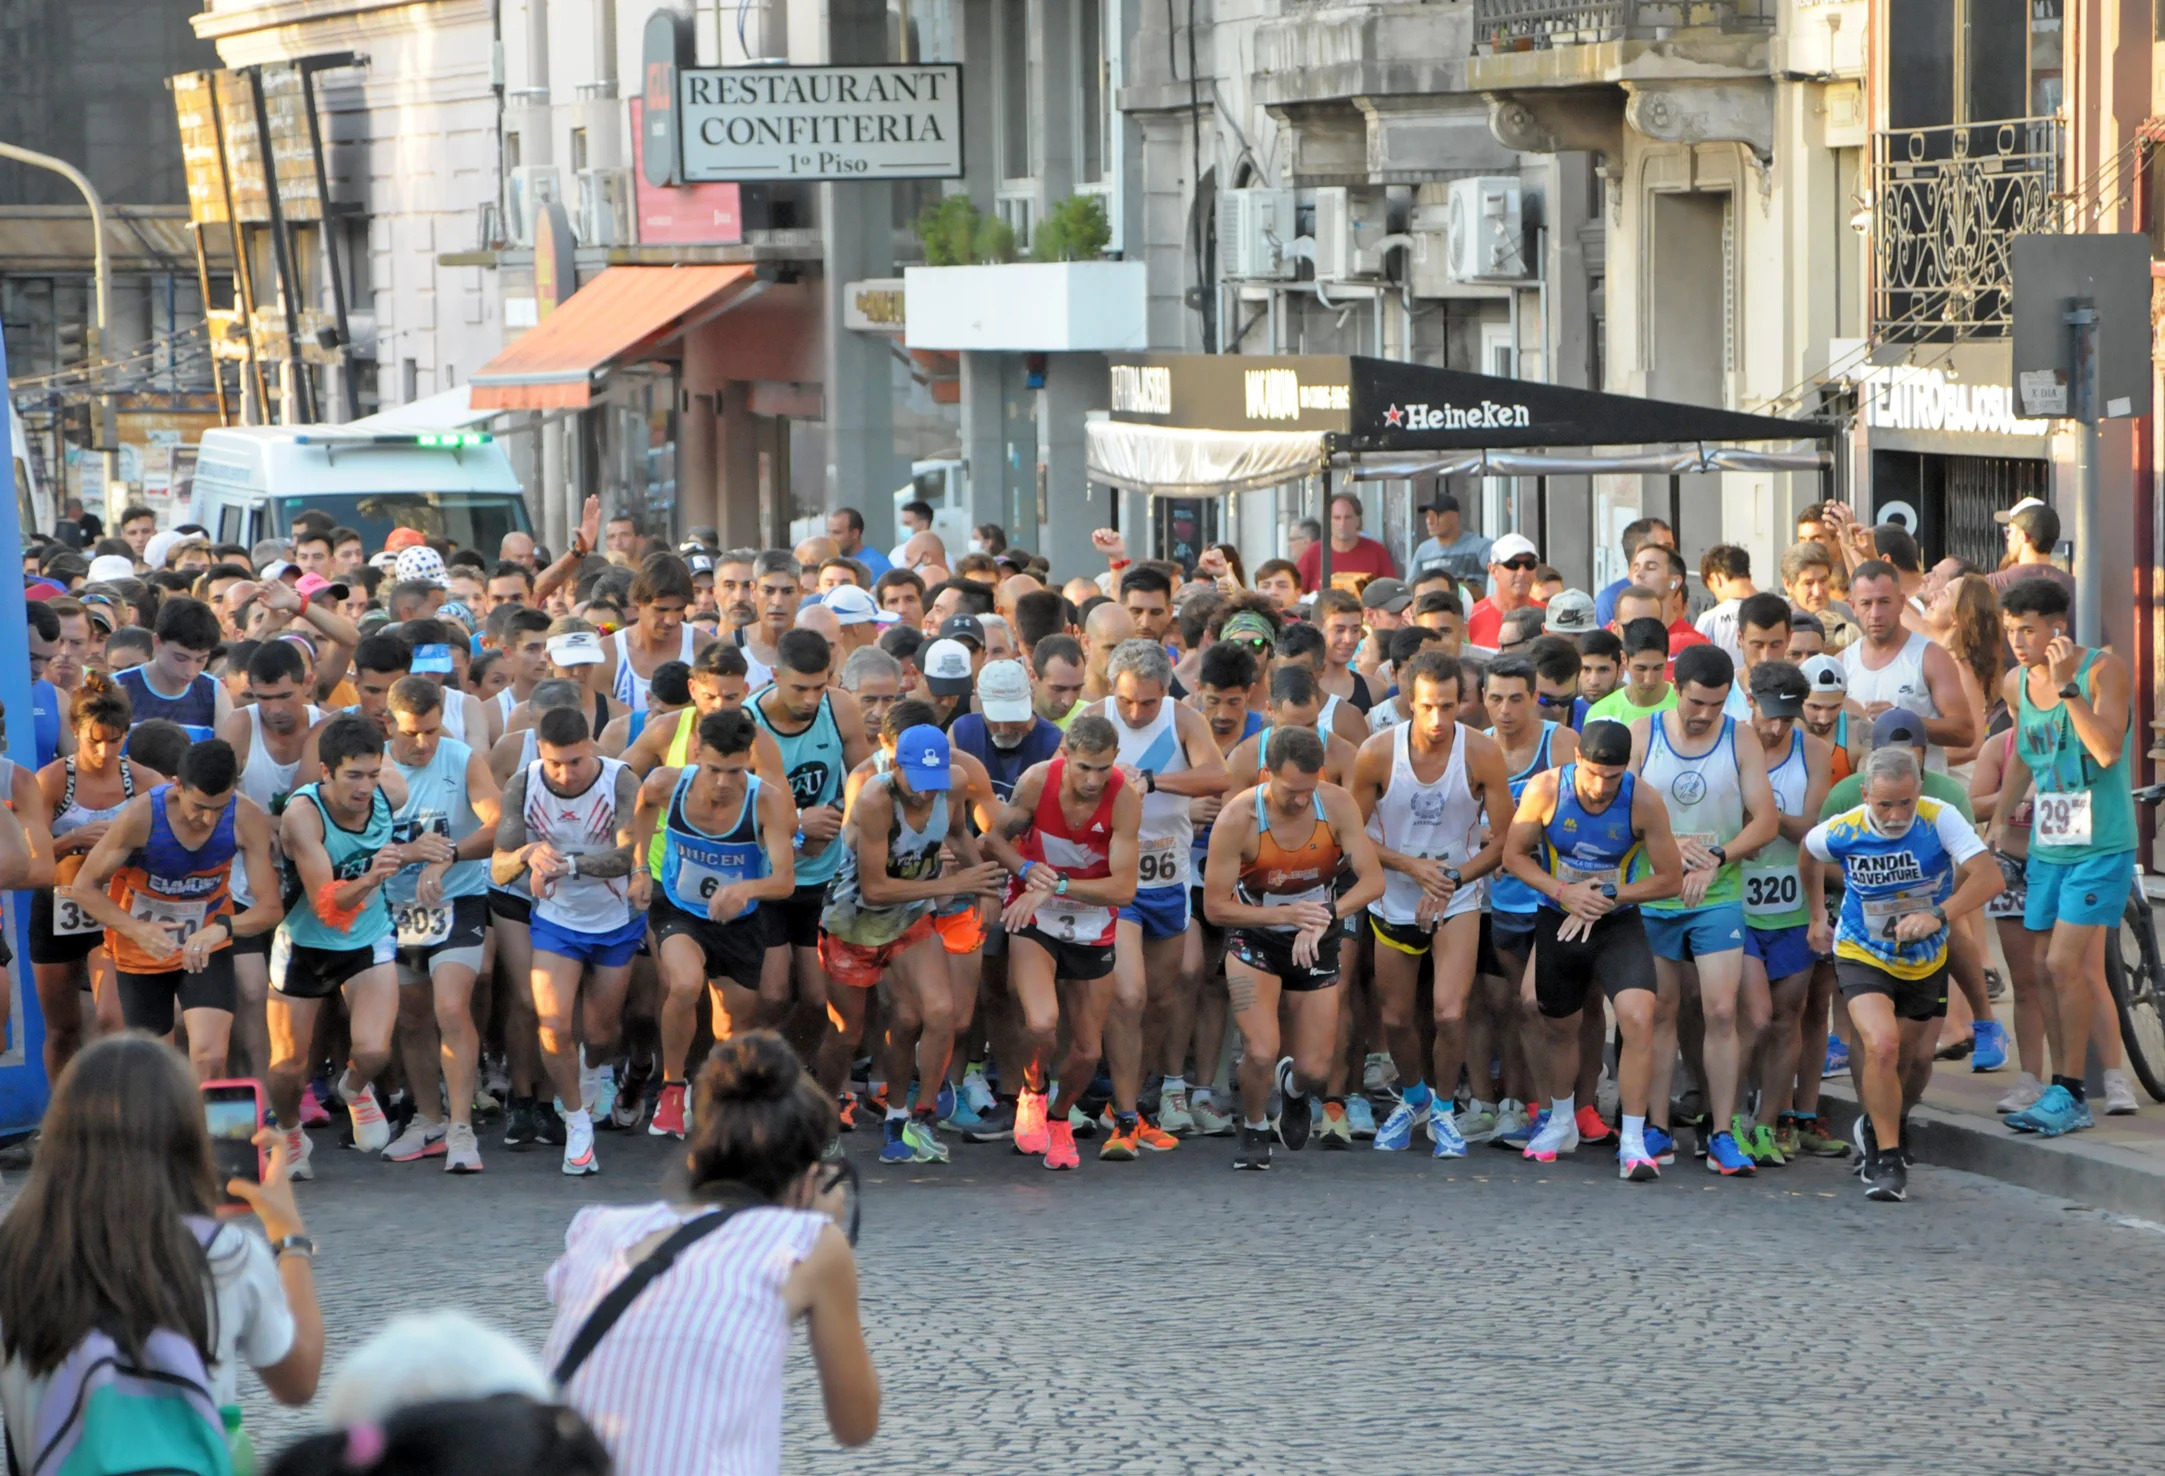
<point x="446" y="410"/>
<point x="1527" y="464"/>
<point x="1197" y="463"/>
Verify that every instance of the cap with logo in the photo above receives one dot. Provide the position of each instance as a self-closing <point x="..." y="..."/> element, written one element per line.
<point x="922" y="757"/>
<point x="424" y="564"/>
<point x="1003" y="693"/>
<point x="316" y="586"/>
<point x="1899" y="725"/>
<point x="699" y="564"/>
<point x="946" y="665"/>
<point x="575" y="648"/>
<point x="1513" y="546"/>
<point x="1570" y="613"/>
<point x="963" y="628"/>
<point x="1386" y="594"/>
<point x="1778" y="689"/>
<point x="1825" y="673"/>
<point x="2008" y="515"/>
<point x="852" y="606"/>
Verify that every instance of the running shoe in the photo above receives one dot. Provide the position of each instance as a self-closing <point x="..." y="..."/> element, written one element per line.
<point x="1173" y="1114"/>
<point x="1478" y="1124"/>
<point x="313" y="1114"/>
<point x="873" y="1101"/>
<point x="1520" y="1133"/>
<point x="1725" y="1158"/>
<point x="2119" y="1095"/>
<point x="1379" y="1073"/>
<point x="549" y="1130"/>
<point x="1865" y="1140"/>
<point x="1332" y="1129"/>
<point x="1814" y="1139"/>
<point x="1443" y="1132"/>
<point x="422" y="1139"/>
<point x="462" y="1152"/>
<point x="992" y="1126"/>
<point x="631" y="1097"/>
<point x="1060" y="1147"/>
<point x="1995" y="984"/>
<point x="2055" y="1113"/>
<point x="1557" y="1136"/>
<point x="1120" y="1145"/>
<point x="1396" y="1134"/>
<point x="1254" y="1150"/>
<point x="1361" y="1116"/>
<point x="1594" y="1130"/>
<point x="298" y="1151"/>
<point x="1209" y="1121"/>
<point x="1762" y="1148"/>
<point x="977" y="1091"/>
<point x="371" y="1129"/>
<point x="2027" y="1090"/>
<point x="1785" y="1138"/>
<point x="518" y="1122"/>
<point x="486" y="1102"/>
<point x="847" y="1109"/>
<point x="1661" y="1145"/>
<point x="960" y="1116"/>
<point x="1081" y="1123"/>
<point x="894" y="1148"/>
<point x="1637" y="1170"/>
<point x="1990" y="1052"/>
<point x="1153" y="1137"/>
<point x="1955" y="1050"/>
<point x="1886" y="1179"/>
<point x="1030" y="1125"/>
<point x="668" y="1119"/>
<point x="925" y="1144"/>
<point x="579" y="1156"/>
<point x="1296" y="1115"/>
<point x="1837" y="1059"/>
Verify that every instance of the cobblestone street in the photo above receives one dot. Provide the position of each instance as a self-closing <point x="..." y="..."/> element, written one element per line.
<point x="1373" y="1313"/>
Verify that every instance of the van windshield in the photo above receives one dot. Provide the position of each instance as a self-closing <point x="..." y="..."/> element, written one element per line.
<point x="468" y="519"/>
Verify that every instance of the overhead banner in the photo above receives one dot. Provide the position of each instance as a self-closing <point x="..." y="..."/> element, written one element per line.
<point x="820" y="123"/>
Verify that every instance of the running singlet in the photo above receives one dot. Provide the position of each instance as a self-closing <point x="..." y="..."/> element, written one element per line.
<point x="267" y="782"/>
<point x="70" y="920"/>
<point x="630" y="688"/>
<point x="812" y="758"/>
<point x="1083" y="853"/>
<point x="1900" y="682"/>
<point x="1431" y="822"/>
<point x="1199" y="848"/>
<point x="165" y="882"/>
<point x="913" y="854"/>
<point x="352" y="852"/>
<point x="1506" y="893"/>
<point x="692" y="864"/>
<point x="436" y="803"/>
<point x="1581" y="845"/>
<point x="757" y="673"/>
<point x="1887" y="877"/>
<point x="1282" y="875"/>
<point x="1773" y="891"/>
<point x="1166" y="834"/>
<point x="1843" y="765"/>
<point x="583" y="824"/>
<point x="195" y="709"/>
<point x="1705" y="802"/>
<point x="2081" y="810"/>
<point x="1004" y="766"/>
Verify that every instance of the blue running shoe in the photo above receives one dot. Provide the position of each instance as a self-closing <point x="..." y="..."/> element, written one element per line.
<point x="1660" y="1146"/>
<point x="960" y="1116"/>
<point x="1518" y="1137"/>
<point x="1443" y="1132"/>
<point x="2055" y="1113"/>
<point x="944" y="1104"/>
<point x="1360" y="1116"/>
<point x="1837" y="1059"/>
<point x="1724" y="1157"/>
<point x="1990" y="1050"/>
<point x="896" y="1149"/>
<point x="1396" y="1134"/>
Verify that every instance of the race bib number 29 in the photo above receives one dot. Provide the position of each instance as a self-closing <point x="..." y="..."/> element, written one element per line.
<point x="2062" y="819"/>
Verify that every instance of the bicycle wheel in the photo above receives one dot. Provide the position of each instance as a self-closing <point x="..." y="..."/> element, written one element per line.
<point x="2133" y="971"/>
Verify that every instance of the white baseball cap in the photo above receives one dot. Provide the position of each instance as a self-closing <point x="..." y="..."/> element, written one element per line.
<point x="111" y="566"/>
<point x="852" y="606"/>
<point x="1003" y="693"/>
<point x="1825" y="673"/>
<point x="2024" y="505"/>
<point x="573" y="647"/>
<point x="946" y="665"/>
<point x="1512" y="546"/>
<point x="1570" y="613"/>
<point x="423" y="563"/>
<point x="160" y="545"/>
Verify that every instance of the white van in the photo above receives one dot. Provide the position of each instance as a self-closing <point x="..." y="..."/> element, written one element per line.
<point x="251" y="482"/>
<point x="34" y="506"/>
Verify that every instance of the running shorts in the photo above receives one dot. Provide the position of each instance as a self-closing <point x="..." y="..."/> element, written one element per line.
<point x="736" y="951"/>
<point x="1698" y="933"/>
<point x="963" y="933"/>
<point x="301" y="972"/>
<point x="1784" y="951"/>
<point x="1270" y="951"/>
<point x="1914" y="999"/>
<point x="1078" y="961"/>
<point x="862" y="966"/>
<point x="463" y="923"/>
<point x="1161" y="912"/>
<point x="599" y="950"/>
<point x="1615" y="956"/>
<point x="146" y="1000"/>
<point x="61" y="932"/>
<point x="795" y="919"/>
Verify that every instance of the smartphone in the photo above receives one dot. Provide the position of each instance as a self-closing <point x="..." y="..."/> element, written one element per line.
<point x="234" y="1112"/>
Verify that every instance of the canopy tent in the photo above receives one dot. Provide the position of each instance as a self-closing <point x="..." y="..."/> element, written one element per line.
<point x="1170" y="462"/>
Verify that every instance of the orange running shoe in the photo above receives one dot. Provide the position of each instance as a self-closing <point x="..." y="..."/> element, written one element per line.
<point x="1030" y="1135"/>
<point x="1060" y="1147"/>
<point x="846" y="1110"/>
<point x="1156" y="1139"/>
<point x="1120" y="1143"/>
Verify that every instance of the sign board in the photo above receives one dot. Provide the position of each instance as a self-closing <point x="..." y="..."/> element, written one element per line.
<point x="236" y="99"/>
<point x="1902" y="397"/>
<point x="875" y="305"/>
<point x="200" y="157"/>
<point x="293" y="146"/>
<point x="665" y="49"/>
<point x="674" y="214"/>
<point x="820" y="123"/>
<point x="2111" y="274"/>
<point x="556" y="275"/>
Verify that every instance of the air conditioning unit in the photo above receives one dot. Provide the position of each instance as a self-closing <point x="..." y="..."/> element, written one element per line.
<point x="532" y="187"/>
<point x="605" y="209"/>
<point x="1486" y="233"/>
<point x="1349" y="231"/>
<point x="1255" y="234"/>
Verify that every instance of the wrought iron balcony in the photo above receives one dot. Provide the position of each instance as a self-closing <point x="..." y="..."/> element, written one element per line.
<point x="1945" y="204"/>
<point x="1534" y="25"/>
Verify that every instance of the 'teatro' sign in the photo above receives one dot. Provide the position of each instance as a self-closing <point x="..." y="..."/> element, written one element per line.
<point x="776" y="123"/>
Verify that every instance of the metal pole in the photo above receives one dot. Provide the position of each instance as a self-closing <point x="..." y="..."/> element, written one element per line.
<point x="202" y="277"/>
<point x="289" y="284"/>
<point x="330" y="242"/>
<point x="101" y="267"/>
<point x="2082" y="317"/>
<point x="1323" y="559"/>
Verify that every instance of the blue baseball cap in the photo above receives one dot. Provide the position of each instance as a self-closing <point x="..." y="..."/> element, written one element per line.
<point x="922" y="755"/>
<point x="432" y="658"/>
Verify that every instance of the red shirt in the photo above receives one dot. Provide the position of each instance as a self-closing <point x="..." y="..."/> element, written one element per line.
<point x="1368" y="557"/>
<point x="1683" y="633"/>
<point x="1484" y="623"/>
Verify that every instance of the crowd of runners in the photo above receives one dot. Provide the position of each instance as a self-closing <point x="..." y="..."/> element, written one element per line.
<point x="428" y="836"/>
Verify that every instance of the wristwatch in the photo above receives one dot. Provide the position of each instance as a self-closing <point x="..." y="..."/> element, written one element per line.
<point x="1939" y="912"/>
<point x="1150" y="782"/>
<point x="2071" y="690"/>
<point x="298" y="1245"/>
<point x="1719" y="853"/>
<point x="1061" y="890"/>
<point x="1451" y="873"/>
<point x="574" y="868"/>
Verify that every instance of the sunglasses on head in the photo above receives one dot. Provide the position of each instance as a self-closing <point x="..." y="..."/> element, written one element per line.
<point x="1523" y="561"/>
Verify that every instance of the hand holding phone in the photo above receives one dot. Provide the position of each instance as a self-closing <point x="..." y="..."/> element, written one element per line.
<point x="234" y="1113"/>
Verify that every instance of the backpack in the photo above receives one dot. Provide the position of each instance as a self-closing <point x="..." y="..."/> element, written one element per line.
<point x="105" y="1414"/>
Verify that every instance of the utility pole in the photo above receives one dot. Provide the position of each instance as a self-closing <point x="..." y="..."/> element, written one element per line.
<point x="102" y="268"/>
<point x="2081" y="317"/>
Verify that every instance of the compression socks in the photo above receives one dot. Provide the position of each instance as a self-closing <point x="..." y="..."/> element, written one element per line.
<point x="1417" y="1096"/>
<point x="2072" y="1084"/>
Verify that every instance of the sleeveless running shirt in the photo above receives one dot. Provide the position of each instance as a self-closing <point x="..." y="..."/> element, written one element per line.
<point x="267" y="782"/>
<point x="1167" y="831"/>
<point x="1283" y="875"/>
<point x="436" y="803"/>
<point x="1433" y="822"/>
<point x="1082" y="852"/>
<point x="1705" y="802"/>
<point x="1773" y="891"/>
<point x="582" y="824"/>
<point x="630" y="688"/>
<point x="1579" y="844"/>
<point x="352" y="852"/>
<point x="812" y="758"/>
<point x="1506" y="893"/>
<point x="693" y="864"/>
<point x="2082" y="810"/>
<point x="165" y="882"/>
<point x="913" y="854"/>
<point x="1199" y="847"/>
<point x="195" y="709"/>
<point x="1901" y="683"/>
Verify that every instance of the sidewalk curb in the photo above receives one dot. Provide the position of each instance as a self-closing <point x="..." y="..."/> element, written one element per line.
<point x="2070" y="1167"/>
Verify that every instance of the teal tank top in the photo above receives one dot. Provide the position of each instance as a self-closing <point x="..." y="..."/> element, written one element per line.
<point x="351" y="852"/>
<point x="436" y="802"/>
<point x="2073" y="792"/>
<point x="812" y="759"/>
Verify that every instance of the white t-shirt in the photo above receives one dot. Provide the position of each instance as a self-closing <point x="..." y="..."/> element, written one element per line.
<point x="1719" y="625"/>
<point x="253" y="1325"/>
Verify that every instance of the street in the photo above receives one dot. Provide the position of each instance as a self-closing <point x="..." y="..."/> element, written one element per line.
<point x="1372" y="1313"/>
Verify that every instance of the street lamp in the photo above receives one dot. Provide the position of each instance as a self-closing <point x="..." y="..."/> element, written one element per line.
<point x="102" y="268"/>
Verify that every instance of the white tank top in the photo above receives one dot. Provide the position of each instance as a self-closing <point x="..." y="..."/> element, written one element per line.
<point x="1704" y="796"/>
<point x="630" y="688"/>
<point x="579" y="825"/>
<point x="1434" y="822"/>
<point x="1773" y="890"/>
<point x="1900" y="682"/>
<point x="455" y="713"/>
<point x="1167" y="831"/>
<point x="267" y="782"/>
<point x="1326" y="717"/>
<point x="506" y="699"/>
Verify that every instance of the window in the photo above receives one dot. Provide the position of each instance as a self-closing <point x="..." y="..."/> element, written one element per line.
<point x="232" y="523"/>
<point x="578" y="150"/>
<point x="1092" y="111"/>
<point x="1012" y="21"/>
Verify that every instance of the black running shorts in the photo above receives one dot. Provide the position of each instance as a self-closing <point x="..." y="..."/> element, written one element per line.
<point x="1615" y="956"/>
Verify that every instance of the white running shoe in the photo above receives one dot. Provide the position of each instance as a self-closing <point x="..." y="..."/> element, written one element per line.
<point x="298" y="1151"/>
<point x="978" y="1092"/>
<point x="2024" y="1096"/>
<point x="1174" y="1116"/>
<point x="371" y="1129"/>
<point x="2119" y="1095"/>
<point x="462" y="1153"/>
<point x="1478" y="1123"/>
<point x="1379" y="1073"/>
<point x="1558" y="1136"/>
<point x="579" y="1156"/>
<point x="422" y="1139"/>
<point x="1510" y="1117"/>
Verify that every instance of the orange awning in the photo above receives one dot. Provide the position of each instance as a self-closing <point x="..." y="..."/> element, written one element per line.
<point x="620" y="317"/>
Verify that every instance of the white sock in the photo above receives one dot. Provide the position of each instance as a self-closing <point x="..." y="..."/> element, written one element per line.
<point x="1634" y="1133"/>
<point x="896" y="1114"/>
<point x="1175" y="1084"/>
<point x="1563" y="1108"/>
<point x="578" y="1117"/>
<point x="1255" y="1126"/>
<point x="1200" y="1097"/>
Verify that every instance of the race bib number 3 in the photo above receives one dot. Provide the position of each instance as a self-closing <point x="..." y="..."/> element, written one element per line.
<point x="69" y="920"/>
<point x="1162" y="863"/>
<point x="2062" y="819"/>
<point x="1073" y="922"/>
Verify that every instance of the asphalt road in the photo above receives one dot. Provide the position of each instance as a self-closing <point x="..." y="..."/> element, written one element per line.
<point x="1380" y="1313"/>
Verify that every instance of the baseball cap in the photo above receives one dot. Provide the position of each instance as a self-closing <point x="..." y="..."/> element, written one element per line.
<point x="160" y="545"/>
<point x="1899" y="725"/>
<point x="852" y="606"/>
<point x="946" y="665"/>
<point x="699" y="564"/>
<point x="964" y="628"/>
<point x="1386" y="594"/>
<point x="385" y="560"/>
<point x="1003" y="692"/>
<point x="433" y="657"/>
<point x="279" y="569"/>
<point x="1825" y="674"/>
<point x="404" y="538"/>
<point x="2008" y="516"/>
<point x="423" y="563"/>
<point x="315" y="584"/>
<point x="575" y="648"/>
<point x="1512" y="546"/>
<point x="111" y="566"/>
<point x="921" y="753"/>
<point x="1442" y="502"/>
<point x="460" y="611"/>
<point x="1779" y="689"/>
<point x="1570" y="613"/>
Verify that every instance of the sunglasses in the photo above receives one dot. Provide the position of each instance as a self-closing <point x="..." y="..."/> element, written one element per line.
<point x="1261" y="645"/>
<point x="1522" y="563"/>
<point x="1550" y="699"/>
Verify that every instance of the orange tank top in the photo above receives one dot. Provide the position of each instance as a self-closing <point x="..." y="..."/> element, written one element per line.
<point x="1281" y="874"/>
<point x="166" y="883"/>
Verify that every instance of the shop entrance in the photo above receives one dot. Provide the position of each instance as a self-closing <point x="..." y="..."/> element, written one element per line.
<point x="1954" y="498"/>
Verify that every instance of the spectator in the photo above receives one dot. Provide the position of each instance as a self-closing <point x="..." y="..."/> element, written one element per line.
<point x="1726" y="571"/>
<point x="911" y="519"/>
<point x="1279" y="581"/>
<point x="1462" y="553"/>
<point x="1512" y="562"/>
<point x="1637" y="534"/>
<point x="845" y="525"/>
<point x="1808" y="574"/>
<point x="506" y="1435"/>
<point x="1352" y="551"/>
<point x="1301" y="537"/>
<point x="2033" y="533"/>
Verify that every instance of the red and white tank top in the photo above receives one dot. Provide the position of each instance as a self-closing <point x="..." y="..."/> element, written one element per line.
<point x="583" y="824"/>
<point x="1082" y="852"/>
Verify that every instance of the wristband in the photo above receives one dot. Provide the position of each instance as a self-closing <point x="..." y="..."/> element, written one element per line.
<point x="330" y="913"/>
<point x="1023" y="875"/>
<point x="1116" y="565"/>
<point x="305" y="602"/>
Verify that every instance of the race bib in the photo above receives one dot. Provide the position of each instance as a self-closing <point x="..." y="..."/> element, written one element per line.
<point x="185" y="918"/>
<point x="1772" y="892"/>
<point x="1571" y="875"/>
<point x="1706" y="839"/>
<point x="423" y="927"/>
<point x="1162" y="863"/>
<point x="698" y="883"/>
<point x="1882" y="913"/>
<point x="1073" y="922"/>
<point x="69" y="920"/>
<point x="2062" y="819"/>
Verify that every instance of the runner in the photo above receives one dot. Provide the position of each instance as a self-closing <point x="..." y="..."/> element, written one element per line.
<point x="1594" y="843"/>
<point x="1827" y="716"/>
<point x="1069" y="837"/>
<point x="1722" y="812"/>
<point x="776" y="592"/>
<point x="660" y="596"/>
<point x="1277" y="858"/>
<point x="438" y="648"/>
<point x="1891" y="666"/>
<point x="718" y="844"/>
<point x="567" y="822"/>
<point x="1224" y="679"/>
<point x="173" y="684"/>
<point x="1296" y="701"/>
<point x="441" y="913"/>
<point x="718" y="683"/>
<point x="1646" y="689"/>
<point x="1424" y="788"/>
<point x="1900" y="854"/>
<point x="522" y="634"/>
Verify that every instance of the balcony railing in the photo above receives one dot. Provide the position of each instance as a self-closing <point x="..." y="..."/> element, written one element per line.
<point x="1534" y="25"/>
<point x="1946" y="202"/>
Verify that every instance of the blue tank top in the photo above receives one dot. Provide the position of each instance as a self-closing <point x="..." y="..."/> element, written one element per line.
<point x="436" y="802"/>
<point x="1199" y="848"/>
<point x="1578" y="845"/>
<point x="812" y="759"/>
<point x="638" y="726"/>
<point x="1004" y="766"/>
<point x="1507" y="893"/>
<point x="196" y="709"/>
<point x="351" y="853"/>
<point x="45" y="720"/>
<point x="696" y="863"/>
<point x="164" y="856"/>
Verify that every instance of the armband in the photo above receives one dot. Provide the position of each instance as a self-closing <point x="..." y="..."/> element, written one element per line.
<point x="330" y="913"/>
